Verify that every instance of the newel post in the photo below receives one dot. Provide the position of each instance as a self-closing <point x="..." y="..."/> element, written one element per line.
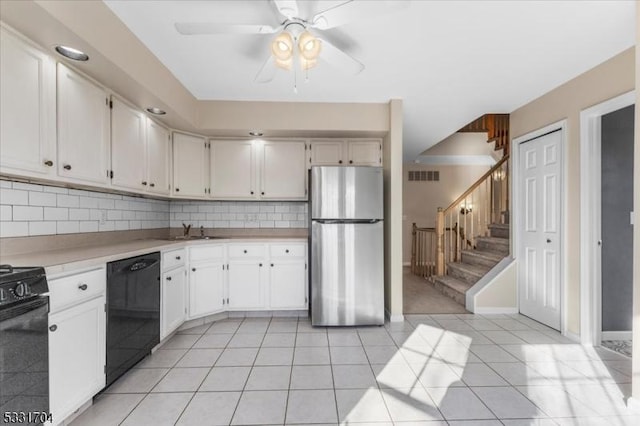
<point x="440" y="242"/>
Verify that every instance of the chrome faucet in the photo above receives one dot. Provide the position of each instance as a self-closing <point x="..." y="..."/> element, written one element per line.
<point x="185" y="230"/>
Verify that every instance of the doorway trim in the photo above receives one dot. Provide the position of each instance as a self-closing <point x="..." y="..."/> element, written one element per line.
<point x="518" y="213"/>
<point x="591" y="215"/>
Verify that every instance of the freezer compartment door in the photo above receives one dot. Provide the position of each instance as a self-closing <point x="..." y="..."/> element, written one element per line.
<point x="346" y="193"/>
<point x="347" y="274"/>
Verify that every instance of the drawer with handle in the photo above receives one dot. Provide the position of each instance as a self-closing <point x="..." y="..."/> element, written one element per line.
<point x="73" y="289"/>
<point x="173" y="258"/>
<point x="206" y="253"/>
<point x="244" y="251"/>
<point x="287" y="250"/>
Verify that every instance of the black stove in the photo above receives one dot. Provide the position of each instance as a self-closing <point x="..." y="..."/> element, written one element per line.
<point x="19" y="284"/>
<point x="24" y="345"/>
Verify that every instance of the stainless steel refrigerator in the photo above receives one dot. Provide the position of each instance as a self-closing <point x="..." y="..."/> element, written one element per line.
<point x="347" y="272"/>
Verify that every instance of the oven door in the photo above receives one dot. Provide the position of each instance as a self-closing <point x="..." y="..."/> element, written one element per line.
<point x="24" y="358"/>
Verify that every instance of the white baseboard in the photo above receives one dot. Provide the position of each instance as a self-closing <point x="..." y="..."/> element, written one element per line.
<point x="572" y="336"/>
<point x="617" y="335"/>
<point x="396" y="318"/>
<point x="497" y="310"/>
<point x="633" y="403"/>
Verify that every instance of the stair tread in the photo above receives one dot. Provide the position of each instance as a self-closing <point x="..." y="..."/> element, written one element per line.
<point x="499" y="225"/>
<point x="486" y="254"/>
<point x="471" y="269"/>
<point x="496" y="240"/>
<point x="453" y="283"/>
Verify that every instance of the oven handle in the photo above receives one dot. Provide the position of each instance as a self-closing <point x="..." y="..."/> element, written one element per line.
<point x="23" y="308"/>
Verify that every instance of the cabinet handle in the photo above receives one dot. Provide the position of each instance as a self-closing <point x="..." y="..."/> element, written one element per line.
<point x="178" y="258"/>
<point x="251" y="192"/>
<point x="272" y="265"/>
<point x="168" y="278"/>
<point x="262" y="193"/>
<point x="48" y="163"/>
<point x="350" y="161"/>
<point x="177" y="189"/>
<point x="53" y="327"/>
<point x="144" y="183"/>
<point x="83" y="287"/>
<point x="286" y="251"/>
<point x="152" y="184"/>
<point x="245" y="251"/>
<point x="193" y="269"/>
<point x="340" y="162"/>
<point x="260" y="265"/>
<point x="66" y="167"/>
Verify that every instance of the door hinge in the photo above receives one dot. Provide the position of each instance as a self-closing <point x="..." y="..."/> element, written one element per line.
<point x="110" y="104"/>
<point x="111" y="174"/>
<point x="105" y="307"/>
<point x="227" y="300"/>
<point x="106" y="101"/>
<point x="305" y="266"/>
<point x="223" y="301"/>
<point x="305" y="300"/>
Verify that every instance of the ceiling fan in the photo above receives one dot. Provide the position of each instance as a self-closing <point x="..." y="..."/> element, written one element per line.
<point x="295" y="41"/>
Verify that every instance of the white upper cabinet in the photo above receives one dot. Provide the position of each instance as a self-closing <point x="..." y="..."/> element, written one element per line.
<point x="83" y="128"/>
<point x="27" y="108"/>
<point x="233" y="169"/>
<point x="158" y="156"/>
<point x="189" y="158"/>
<point x="329" y="152"/>
<point x="364" y="152"/>
<point x="284" y="170"/>
<point x="128" y="150"/>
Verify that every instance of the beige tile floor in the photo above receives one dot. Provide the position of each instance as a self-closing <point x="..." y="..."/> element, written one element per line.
<point x="456" y="369"/>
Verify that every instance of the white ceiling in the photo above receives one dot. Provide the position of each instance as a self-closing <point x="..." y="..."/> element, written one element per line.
<point x="450" y="61"/>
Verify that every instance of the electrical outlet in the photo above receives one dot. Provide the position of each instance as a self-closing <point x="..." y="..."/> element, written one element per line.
<point x="103" y="217"/>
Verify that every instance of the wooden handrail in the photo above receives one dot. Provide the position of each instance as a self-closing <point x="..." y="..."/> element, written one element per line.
<point x="464" y="195"/>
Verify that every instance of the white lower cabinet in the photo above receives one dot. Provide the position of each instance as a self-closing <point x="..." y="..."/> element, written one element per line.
<point x="287" y="285"/>
<point x="245" y="284"/>
<point x="173" y="300"/>
<point x="77" y="349"/>
<point x="206" y="288"/>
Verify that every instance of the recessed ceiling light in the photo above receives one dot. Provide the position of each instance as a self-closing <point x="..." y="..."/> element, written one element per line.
<point x="71" y="53"/>
<point x="256" y="133"/>
<point x="156" y="111"/>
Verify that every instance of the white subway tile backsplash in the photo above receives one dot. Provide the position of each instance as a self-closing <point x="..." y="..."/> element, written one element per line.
<point x="68" y="200"/>
<point x="28" y="209"/>
<point x="14" y="229"/>
<point x="39" y="198"/>
<point x="6" y="213"/>
<point x="42" y="228"/>
<point x="56" y="213"/>
<point x="27" y="213"/>
<point x="14" y="197"/>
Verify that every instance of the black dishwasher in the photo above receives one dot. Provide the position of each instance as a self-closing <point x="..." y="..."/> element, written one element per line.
<point x="133" y="312"/>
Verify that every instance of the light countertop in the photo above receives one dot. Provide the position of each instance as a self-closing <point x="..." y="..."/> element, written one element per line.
<point x="86" y="257"/>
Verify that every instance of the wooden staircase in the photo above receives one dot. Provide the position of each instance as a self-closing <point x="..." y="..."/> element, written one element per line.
<point x="474" y="263"/>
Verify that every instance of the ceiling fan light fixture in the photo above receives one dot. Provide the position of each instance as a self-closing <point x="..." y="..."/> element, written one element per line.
<point x="282" y="47"/>
<point x="309" y="46"/>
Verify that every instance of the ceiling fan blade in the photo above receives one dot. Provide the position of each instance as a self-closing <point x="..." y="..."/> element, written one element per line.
<point x="354" y="10"/>
<point x="339" y="59"/>
<point x="287" y="8"/>
<point x="267" y="71"/>
<point x="197" y="28"/>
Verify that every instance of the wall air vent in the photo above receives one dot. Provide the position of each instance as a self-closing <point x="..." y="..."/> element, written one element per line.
<point x="424" y="176"/>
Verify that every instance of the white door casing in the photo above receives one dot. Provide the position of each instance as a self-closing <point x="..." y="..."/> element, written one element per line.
<point x="539" y="226"/>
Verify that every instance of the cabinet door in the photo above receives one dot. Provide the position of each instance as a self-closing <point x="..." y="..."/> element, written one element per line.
<point x="206" y="289"/>
<point x="189" y="165"/>
<point x="288" y="285"/>
<point x="232" y="170"/>
<point x="284" y="171"/>
<point x="27" y="105"/>
<point x="77" y="348"/>
<point x="245" y="289"/>
<point x="158" y="152"/>
<point x="327" y="152"/>
<point x="83" y="128"/>
<point x="128" y="143"/>
<point x="365" y="152"/>
<point x="173" y="301"/>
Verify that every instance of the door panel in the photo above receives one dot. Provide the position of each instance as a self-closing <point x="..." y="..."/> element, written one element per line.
<point x="206" y="289"/>
<point x="327" y="153"/>
<point x="364" y="153"/>
<point x="189" y="165"/>
<point x="539" y="241"/>
<point x="287" y="285"/>
<point x="245" y="289"/>
<point x="128" y="147"/>
<point x="284" y="170"/>
<point x="232" y="170"/>
<point x="158" y="153"/>
<point x="346" y="193"/>
<point x="347" y="274"/>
